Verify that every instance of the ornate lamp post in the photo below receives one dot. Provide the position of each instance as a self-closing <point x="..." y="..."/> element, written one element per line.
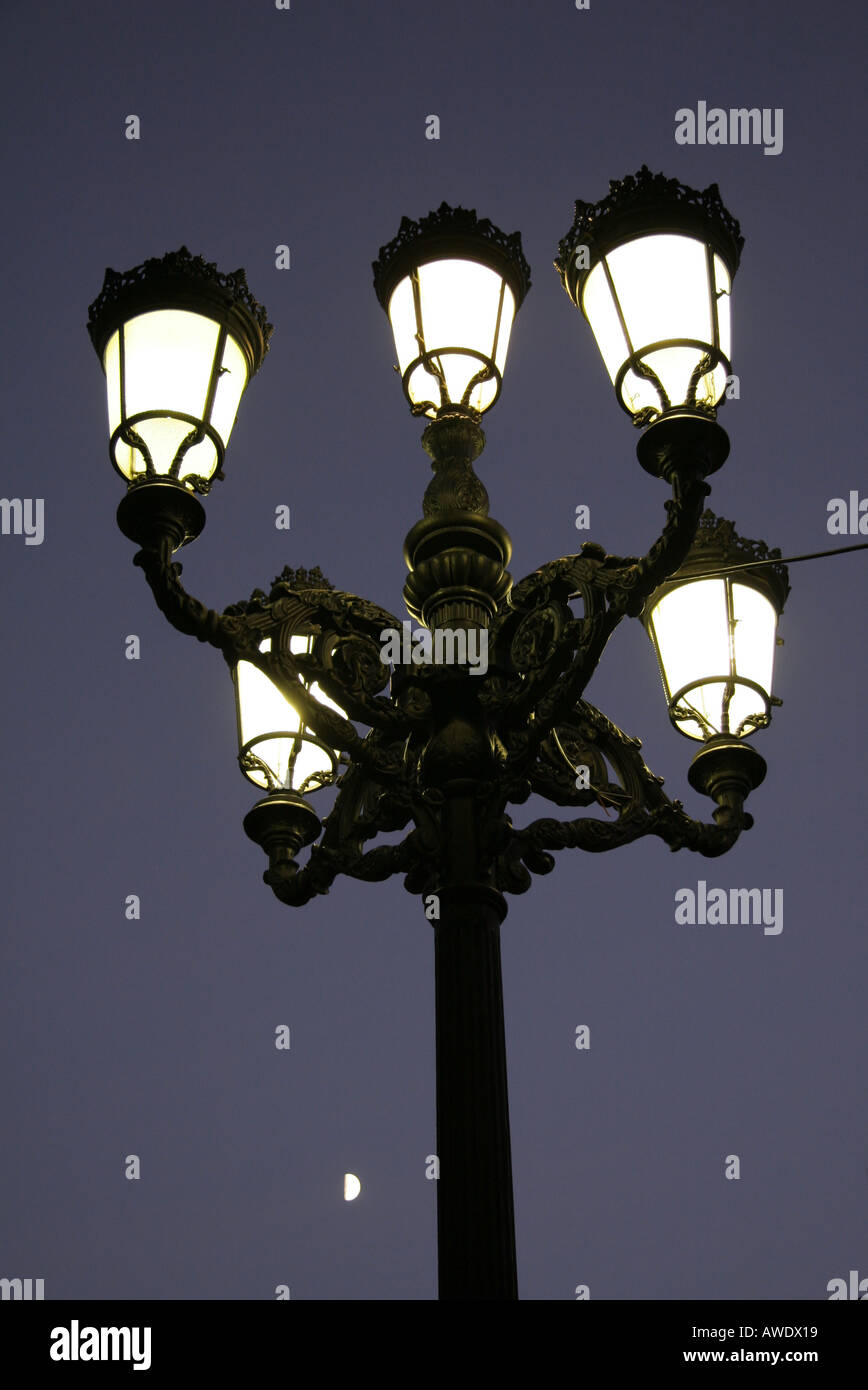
<point x="486" y="705"/>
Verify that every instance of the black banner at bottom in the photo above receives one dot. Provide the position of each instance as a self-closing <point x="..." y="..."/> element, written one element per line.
<point x="165" y="1339"/>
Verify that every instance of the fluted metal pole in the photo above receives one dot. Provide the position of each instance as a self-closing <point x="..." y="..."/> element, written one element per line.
<point x="475" y="1220"/>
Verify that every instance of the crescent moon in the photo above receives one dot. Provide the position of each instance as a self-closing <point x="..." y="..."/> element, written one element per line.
<point x="352" y="1187"/>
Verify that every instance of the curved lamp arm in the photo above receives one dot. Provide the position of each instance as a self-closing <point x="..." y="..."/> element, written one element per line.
<point x="589" y="738"/>
<point x="639" y="578"/>
<point x="186" y="613"/>
<point x="527" y="851"/>
<point x="611" y="588"/>
<point x="295" y="887"/>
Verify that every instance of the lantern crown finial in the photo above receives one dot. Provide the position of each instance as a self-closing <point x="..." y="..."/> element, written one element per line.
<point x="718" y="544"/>
<point x="638" y="205"/>
<point x="450" y="231"/>
<point x="289" y="584"/>
<point x="183" y="281"/>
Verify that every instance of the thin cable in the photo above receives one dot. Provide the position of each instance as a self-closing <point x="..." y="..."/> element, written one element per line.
<point x="791" y="560"/>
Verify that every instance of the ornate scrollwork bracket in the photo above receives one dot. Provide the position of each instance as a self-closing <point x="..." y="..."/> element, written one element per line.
<point x="438" y="738"/>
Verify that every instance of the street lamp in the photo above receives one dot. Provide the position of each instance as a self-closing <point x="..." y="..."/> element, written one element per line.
<point x="451" y="284"/>
<point x="277" y="749"/>
<point x="651" y="267"/>
<point x="714" y="634"/>
<point x="178" y="342"/>
<point x="428" y="749"/>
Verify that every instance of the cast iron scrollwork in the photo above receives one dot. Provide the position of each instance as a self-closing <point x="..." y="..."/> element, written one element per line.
<point x="521" y="727"/>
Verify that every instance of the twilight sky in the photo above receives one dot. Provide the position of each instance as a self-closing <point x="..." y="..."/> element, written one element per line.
<point x="155" y="1037"/>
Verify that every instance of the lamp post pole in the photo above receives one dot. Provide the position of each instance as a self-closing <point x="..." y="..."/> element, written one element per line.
<point x="489" y="707"/>
<point x="475" y="1221"/>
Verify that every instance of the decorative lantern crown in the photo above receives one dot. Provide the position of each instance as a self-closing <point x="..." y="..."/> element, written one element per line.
<point x="180" y="280"/>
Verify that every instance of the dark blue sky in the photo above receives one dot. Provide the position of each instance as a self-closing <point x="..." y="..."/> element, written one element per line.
<point x="307" y="127"/>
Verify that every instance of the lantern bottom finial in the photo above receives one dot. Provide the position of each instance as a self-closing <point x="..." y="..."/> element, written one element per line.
<point x="682" y="441"/>
<point x="727" y="769"/>
<point x="158" y="510"/>
<point x="282" y="823"/>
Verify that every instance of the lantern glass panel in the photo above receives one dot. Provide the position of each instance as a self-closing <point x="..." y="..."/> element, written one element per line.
<point x="230" y="388"/>
<point x="695" y="639"/>
<point x="458" y="302"/>
<point x="660" y="284"/>
<point x="723" y="295"/>
<point x="753" y="638"/>
<point x="270" y="721"/>
<point x="168" y="364"/>
<point x="692" y="636"/>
